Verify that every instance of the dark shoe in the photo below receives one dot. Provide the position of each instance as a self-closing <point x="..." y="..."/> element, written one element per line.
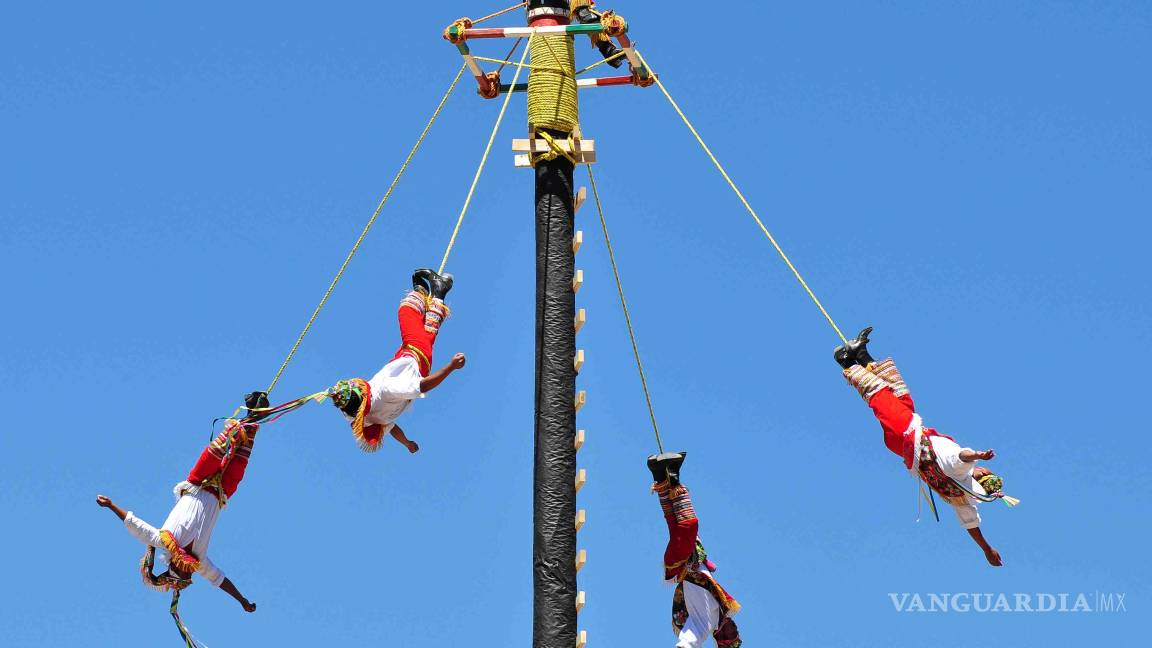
<point x="843" y="357"/>
<point x="658" y="474"/>
<point x="440" y="284"/>
<point x="585" y="16"/>
<point x="608" y="49"/>
<point x="256" y="400"/>
<point x="858" y="348"/>
<point x="422" y="280"/>
<point x="670" y="463"/>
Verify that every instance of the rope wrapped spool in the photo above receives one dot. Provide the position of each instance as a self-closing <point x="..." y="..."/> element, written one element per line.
<point x="552" y="101"/>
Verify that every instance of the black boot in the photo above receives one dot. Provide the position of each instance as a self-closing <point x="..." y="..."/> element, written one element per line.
<point x="858" y="348"/>
<point x="658" y="474"/>
<point x="422" y="280"/>
<point x="608" y="49"/>
<point x="670" y="463"/>
<point x="843" y="357"/>
<point x="256" y="400"/>
<point x="440" y="284"/>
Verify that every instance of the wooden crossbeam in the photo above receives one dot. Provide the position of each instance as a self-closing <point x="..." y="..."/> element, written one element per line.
<point x="581" y="479"/>
<point x="582" y="151"/>
<point x="581" y="318"/>
<point x="578" y="361"/>
<point x="579" y="439"/>
<point x="581" y="517"/>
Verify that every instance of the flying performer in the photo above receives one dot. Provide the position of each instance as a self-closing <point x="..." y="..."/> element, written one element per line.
<point x="584" y="13"/>
<point x="372" y="406"/>
<point x="701" y="608"/>
<point x="185" y="535"/>
<point x="938" y="460"/>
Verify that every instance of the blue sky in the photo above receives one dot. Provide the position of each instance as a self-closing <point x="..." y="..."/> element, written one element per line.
<point x="180" y="184"/>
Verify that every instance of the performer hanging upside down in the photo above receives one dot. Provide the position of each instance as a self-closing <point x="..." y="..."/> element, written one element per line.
<point x="583" y="12"/>
<point x="372" y="406"/>
<point x="938" y="460"/>
<point x="185" y="535"/>
<point x="700" y="607"/>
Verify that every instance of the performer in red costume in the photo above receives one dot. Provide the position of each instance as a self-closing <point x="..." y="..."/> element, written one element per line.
<point x="372" y="406"/>
<point x="949" y="469"/>
<point x="700" y="607"/>
<point x="186" y="533"/>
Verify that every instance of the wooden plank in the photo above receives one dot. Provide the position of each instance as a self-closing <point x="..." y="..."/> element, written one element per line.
<point x="581" y="479"/>
<point x="578" y="200"/>
<point x="579" y="439"/>
<point x="577" y="241"/>
<point x="542" y="146"/>
<point x="578" y="361"/>
<point x="580" y="599"/>
<point x="581" y="318"/>
<point x="522" y="161"/>
<point x="582" y="640"/>
<point x="581" y="399"/>
<point x="578" y="281"/>
<point x="581" y="517"/>
<point x="581" y="559"/>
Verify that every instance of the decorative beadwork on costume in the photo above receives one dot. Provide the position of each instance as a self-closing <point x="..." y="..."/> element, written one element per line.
<point x="992" y="483"/>
<point x="415" y="300"/>
<point x="675" y="500"/>
<point x="177" y="557"/>
<point x="887" y="370"/>
<point x="435" y="315"/>
<point x="865" y="382"/>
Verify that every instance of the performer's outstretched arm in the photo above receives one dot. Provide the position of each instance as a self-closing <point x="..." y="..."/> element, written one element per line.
<point x="399" y="435"/>
<point x="227" y="586"/>
<point x="991" y="554"/>
<point x="104" y="502"/>
<point x="433" y="381"/>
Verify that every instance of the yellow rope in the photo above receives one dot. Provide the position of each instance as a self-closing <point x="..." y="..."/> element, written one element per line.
<point x="624" y="306"/>
<point x="600" y="62"/>
<point x="552" y="101"/>
<point x="504" y="62"/>
<point x="498" y="13"/>
<point x="364" y="233"/>
<point x="747" y="206"/>
<point x="483" y="161"/>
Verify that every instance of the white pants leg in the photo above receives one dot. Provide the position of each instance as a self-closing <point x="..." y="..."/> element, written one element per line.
<point x="703" y="617"/>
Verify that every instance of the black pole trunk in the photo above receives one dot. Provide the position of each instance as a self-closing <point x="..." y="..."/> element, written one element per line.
<point x="554" y="508"/>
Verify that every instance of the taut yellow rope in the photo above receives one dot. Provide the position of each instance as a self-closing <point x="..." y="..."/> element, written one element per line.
<point x="483" y="160"/>
<point x="364" y="233"/>
<point x="744" y="200"/>
<point x="624" y="306"/>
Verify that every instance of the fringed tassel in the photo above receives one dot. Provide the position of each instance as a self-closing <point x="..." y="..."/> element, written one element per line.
<point x="416" y="300"/>
<point x="1010" y="501"/>
<point x="437" y="312"/>
<point x="865" y="382"/>
<point x="177" y="557"/>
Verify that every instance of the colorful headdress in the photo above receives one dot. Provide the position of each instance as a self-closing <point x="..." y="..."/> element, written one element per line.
<point x="993" y="485"/>
<point x="341" y="394"/>
<point x="165" y="582"/>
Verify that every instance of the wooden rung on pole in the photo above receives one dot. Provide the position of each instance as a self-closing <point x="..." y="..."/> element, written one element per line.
<point x="581" y="398"/>
<point x="580" y="598"/>
<point x="581" y="479"/>
<point x="579" y="439"/>
<point x="581" y="317"/>
<point x="574" y="146"/>
<point x="581" y="559"/>
<point x="581" y="517"/>
<point x="579" y="198"/>
<point x="578" y="361"/>
<point x="582" y="640"/>
<point x="577" y="241"/>
<point x="578" y="281"/>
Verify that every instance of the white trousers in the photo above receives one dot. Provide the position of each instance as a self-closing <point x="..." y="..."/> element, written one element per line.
<point x="703" y="617"/>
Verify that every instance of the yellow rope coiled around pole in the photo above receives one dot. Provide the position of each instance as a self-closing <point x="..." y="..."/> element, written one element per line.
<point x="744" y="201"/>
<point x="552" y="101"/>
